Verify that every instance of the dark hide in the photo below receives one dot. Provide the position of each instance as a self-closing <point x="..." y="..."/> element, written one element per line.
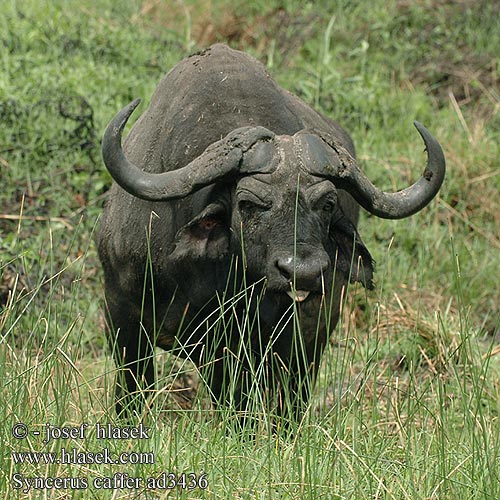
<point x="294" y="226"/>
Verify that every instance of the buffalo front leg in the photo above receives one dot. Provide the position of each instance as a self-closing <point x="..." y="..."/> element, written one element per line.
<point x="133" y="353"/>
<point x="295" y="376"/>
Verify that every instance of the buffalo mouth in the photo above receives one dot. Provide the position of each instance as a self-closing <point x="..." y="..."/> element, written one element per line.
<point x="298" y="295"/>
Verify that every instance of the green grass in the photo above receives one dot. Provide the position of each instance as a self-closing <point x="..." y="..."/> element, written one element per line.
<point x="407" y="401"/>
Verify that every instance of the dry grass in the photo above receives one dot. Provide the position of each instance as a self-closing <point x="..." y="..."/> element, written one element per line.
<point x="208" y="22"/>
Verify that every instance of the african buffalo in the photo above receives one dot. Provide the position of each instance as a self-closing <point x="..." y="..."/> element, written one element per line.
<point x="229" y="234"/>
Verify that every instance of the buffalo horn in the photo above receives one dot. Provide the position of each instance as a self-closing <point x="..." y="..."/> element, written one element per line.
<point x="213" y="164"/>
<point x="402" y="203"/>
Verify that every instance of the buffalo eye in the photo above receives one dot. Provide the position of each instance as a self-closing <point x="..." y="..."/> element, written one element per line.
<point x="322" y="198"/>
<point x="329" y="206"/>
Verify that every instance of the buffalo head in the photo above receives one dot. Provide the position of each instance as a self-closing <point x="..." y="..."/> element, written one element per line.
<point x="283" y="206"/>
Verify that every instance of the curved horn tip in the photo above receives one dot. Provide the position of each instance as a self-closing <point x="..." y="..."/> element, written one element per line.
<point x="422" y="130"/>
<point x="433" y="148"/>
<point x="134" y="103"/>
<point x="125" y="113"/>
<point x="425" y="134"/>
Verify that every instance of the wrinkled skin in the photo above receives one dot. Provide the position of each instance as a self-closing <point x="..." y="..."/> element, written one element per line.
<point x="257" y="210"/>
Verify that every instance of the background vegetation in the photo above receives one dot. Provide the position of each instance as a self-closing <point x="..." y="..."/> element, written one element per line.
<point x="407" y="404"/>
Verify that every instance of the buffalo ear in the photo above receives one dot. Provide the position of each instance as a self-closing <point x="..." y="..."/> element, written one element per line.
<point x="354" y="259"/>
<point x="204" y="237"/>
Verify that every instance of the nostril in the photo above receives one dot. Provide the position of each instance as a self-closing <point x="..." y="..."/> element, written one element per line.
<point x="286" y="267"/>
<point x="306" y="274"/>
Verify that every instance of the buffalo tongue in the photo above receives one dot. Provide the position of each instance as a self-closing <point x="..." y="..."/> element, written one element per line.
<point x="298" y="295"/>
